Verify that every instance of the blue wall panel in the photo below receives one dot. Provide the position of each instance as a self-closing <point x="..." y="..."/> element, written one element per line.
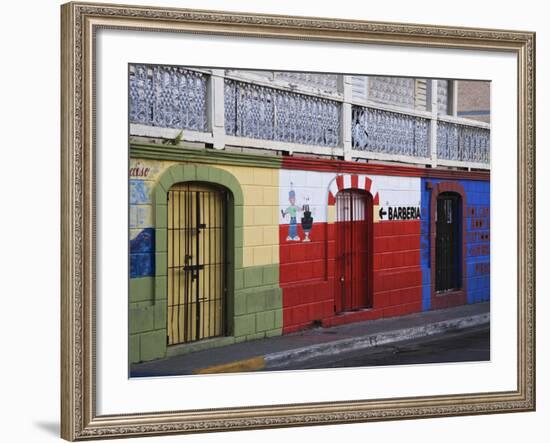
<point x="477" y="207"/>
<point x="142" y="254"/>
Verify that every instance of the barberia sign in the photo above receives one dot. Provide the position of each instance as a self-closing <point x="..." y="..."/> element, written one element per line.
<point x="400" y="213"/>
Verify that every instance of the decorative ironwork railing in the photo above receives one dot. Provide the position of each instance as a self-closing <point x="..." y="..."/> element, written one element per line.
<point x="172" y="98"/>
<point x="260" y="112"/>
<point x="463" y="143"/>
<point x="387" y="132"/>
<point x="169" y="97"/>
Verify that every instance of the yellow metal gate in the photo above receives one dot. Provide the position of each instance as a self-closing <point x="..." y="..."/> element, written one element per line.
<point x="197" y="241"/>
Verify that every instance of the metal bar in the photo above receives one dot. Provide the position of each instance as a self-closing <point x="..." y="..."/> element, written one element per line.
<point x="172" y="278"/>
<point x="192" y="267"/>
<point x="184" y="254"/>
<point x="190" y="218"/>
<point x="178" y="255"/>
<point x="168" y="282"/>
<point x="213" y="260"/>
<point x="194" y="258"/>
<point x="186" y="259"/>
<point x="197" y="253"/>
<point x="203" y="274"/>
<point x="350" y="250"/>
<point x="217" y="204"/>
<point x="224" y="261"/>
<point x="218" y="318"/>
<point x="217" y="258"/>
<point x="353" y="250"/>
<point x="211" y="197"/>
<point x="218" y="269"/>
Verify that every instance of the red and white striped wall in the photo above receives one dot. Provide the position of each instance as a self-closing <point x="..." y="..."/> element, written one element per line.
<point x="307" y="268"/>
<point x="352" y="181"/>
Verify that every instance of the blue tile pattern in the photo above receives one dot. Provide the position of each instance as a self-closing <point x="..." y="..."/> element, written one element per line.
<point x="142" y="254"/>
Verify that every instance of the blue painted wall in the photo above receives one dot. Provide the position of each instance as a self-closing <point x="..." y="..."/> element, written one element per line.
<point x="477" y="209"/>
<point x="142" y="241"/>
<point x="142" y="254"/>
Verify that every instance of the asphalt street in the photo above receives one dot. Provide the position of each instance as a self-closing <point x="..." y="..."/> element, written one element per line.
<point x="454" y="346"/>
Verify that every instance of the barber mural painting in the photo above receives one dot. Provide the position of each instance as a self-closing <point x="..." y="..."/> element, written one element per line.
<point x="292" y="212"/>
<point x="258" y="246"/>
<point x="307" y="221"/>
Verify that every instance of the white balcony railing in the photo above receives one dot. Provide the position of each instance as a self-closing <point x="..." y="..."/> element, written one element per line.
<point x="169" y="97"/>
<point x="259" y="112"/>
<point x="320" y="117"/>
<point x="391" y="133"/>
<point x="459" y="142"/>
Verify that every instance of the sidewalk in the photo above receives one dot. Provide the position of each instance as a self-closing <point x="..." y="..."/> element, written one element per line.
<point x="277" y="352"/>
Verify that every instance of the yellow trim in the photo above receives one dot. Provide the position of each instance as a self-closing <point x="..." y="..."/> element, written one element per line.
<point x="375" y="213"/>
<point x="331" y="214"/>
<point x="250" y="364"/>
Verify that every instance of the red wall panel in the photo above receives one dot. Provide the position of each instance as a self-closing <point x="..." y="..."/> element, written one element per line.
<point x="307" y="275"/>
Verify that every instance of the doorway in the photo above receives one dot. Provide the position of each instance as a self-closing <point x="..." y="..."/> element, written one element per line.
<point x="448" y="248"/>
<point x="353" y="250"/>
<point x="196" y="259"/>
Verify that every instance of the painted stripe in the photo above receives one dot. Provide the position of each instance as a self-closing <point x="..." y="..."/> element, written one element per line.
<point x="250" y="364"/>
<point x="340" y="182"/>
<point x="341" y="166"/>
<point x="331" y="199"/>
<point x="333" y="188"/>
<point x="347" y="182"/>
<point x="368" y="184"/>
<point x="361" y="182"/>
<point x="171" y="153"/>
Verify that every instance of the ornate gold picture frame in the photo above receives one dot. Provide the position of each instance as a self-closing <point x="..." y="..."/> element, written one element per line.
<point x="79" y="389"/>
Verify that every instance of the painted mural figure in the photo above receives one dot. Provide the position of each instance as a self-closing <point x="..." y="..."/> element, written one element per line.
<point x="292" y="211"/>
<point x="307" y="220"/>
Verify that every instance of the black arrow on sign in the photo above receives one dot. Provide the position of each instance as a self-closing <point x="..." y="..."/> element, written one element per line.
<point x="381" y="213"/>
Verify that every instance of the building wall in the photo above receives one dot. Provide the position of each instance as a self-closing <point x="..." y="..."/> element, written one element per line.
<point x="257" y="298"/>
<point x="147" y="319"/>
<point x="474" y="100"/>
<point x="477" y="239"/>
<point x="307" y="273"/>
<point x="401" y="249"/>
<point x="285" y="281"/>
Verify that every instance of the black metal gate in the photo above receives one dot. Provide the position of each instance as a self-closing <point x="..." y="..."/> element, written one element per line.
<point x="447" y="243"/>
<point x="197" y="245"/>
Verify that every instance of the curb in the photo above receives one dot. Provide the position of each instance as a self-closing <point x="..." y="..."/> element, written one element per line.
<point x="278" y="360"/>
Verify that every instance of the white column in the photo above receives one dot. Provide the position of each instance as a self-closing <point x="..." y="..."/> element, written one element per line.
<point x="433" y="122"/>
<point x="216" y="108"/>
<point x="454" y="99"/>
<point x="346" y="117"/>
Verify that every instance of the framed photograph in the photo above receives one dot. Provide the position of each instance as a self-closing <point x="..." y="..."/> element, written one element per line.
<point x="277" y="221"/>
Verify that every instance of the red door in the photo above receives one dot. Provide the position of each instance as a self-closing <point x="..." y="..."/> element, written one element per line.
<point x="353" y="250"/>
